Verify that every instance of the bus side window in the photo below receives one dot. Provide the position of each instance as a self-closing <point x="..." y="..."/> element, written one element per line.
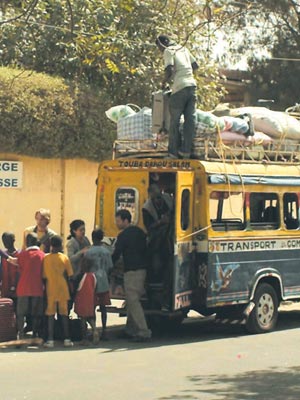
<point x="264" y="211"/>
<point x="226" y="211"/>
<point x="290" y="207"/>
<point x="185" y="209"/>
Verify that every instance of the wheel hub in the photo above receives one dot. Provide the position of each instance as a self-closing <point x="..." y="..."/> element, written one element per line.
<point x="265" y="309"/>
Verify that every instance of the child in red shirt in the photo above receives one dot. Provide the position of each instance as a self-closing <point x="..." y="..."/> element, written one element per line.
<point x="85" y="301"/>
<point x="30" y="288"/>
<point x="9" y="272"/>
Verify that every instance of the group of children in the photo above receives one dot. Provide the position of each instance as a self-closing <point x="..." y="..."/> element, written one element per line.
<point x="42" y="287"/>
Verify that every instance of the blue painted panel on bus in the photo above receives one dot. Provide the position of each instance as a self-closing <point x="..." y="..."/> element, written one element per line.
<point x="183" y="276"/>
<point x="232" y="272"/>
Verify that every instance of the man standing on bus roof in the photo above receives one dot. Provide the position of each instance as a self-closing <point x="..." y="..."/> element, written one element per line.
<point x="180" y="66"/>
<point x="131" y="244"/>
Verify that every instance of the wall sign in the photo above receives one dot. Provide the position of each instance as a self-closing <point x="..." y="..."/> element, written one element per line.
<point x="11" y="174"/>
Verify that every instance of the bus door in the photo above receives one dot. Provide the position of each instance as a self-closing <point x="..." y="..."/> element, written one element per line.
<point x="121" y="190"/>
<point x="182" y="271"/>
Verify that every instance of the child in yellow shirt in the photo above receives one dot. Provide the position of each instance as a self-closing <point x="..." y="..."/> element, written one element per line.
<point x="56" y="270"/>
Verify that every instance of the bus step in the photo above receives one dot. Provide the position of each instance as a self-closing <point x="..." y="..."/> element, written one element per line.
<point x="228" y="321"/>
<point x="122" y="311"/>
<point x="115" y="310"/>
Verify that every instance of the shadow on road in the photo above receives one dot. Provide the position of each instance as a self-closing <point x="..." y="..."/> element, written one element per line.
<point x="196" y="329"/>
<point x="273" y="384"/>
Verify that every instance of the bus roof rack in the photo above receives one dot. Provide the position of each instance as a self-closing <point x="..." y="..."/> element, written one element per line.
<point x="140" y="148"/>
<point x="276" y="152"/>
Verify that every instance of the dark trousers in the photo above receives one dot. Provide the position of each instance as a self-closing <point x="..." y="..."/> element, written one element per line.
<point x="181" y="103"/>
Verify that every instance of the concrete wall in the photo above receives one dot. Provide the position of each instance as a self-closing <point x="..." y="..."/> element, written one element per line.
<point x="66" y="187"/>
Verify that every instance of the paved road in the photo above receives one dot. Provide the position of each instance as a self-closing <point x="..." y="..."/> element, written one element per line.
<point x="201" y="360"/>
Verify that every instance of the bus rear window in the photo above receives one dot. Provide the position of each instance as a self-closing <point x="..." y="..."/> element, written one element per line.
<point x="185" y="209"/>
<point x="127" y="198"/>
<point x="226" y="211"/>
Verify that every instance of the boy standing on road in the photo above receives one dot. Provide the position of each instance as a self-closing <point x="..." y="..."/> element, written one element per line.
<point x="57" y="270"/>
<point x="131" y="244"/>
<point x="30" y="286"/>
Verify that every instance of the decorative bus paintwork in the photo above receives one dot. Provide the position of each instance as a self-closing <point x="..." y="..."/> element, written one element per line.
<point x="236" y="231"/>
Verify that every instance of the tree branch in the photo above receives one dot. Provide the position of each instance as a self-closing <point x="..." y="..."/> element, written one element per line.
<point x="29" y="73"/>
<point x="175" y="9"/>
<point x="292" y="30"/>
<point x="29" y="10"/>
<point x="71" y="17"/>
<point x="164" y="5"/>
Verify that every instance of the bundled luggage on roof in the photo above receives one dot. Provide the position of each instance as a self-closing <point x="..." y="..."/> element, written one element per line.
<point x="246" y="133"/>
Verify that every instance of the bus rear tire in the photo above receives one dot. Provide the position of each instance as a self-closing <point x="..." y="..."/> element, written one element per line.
<point x="263" y="317"/>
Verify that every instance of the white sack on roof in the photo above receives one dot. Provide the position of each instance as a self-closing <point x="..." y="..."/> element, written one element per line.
<point x="277" y="124"/>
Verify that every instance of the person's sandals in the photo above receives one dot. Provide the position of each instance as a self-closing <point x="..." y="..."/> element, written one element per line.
<point x="49" y="344"/>
<point x="68" y="343"/>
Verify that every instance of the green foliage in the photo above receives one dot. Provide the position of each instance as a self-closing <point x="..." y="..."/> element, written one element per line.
<point x="44" y="116"/>
<point x="106" y="44"/>
<point x="278" y="77"/>
<point x="105" y="52"/>
<point x="269" y="35"/>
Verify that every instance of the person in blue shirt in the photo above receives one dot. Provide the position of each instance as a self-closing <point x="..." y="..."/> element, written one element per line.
<point x="98" y="257"/>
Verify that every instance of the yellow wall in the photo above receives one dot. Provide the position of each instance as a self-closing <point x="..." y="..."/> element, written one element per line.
<point x="66" y="187"/>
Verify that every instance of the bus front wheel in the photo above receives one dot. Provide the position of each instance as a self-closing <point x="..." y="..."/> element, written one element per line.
<point x="263" y="317"/>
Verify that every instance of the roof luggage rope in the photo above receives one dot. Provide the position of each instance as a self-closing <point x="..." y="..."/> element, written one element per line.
<point x="294" y="111"/>
<point x="212" y="149"/>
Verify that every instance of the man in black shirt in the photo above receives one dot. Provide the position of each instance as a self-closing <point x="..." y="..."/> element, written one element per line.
<point x="131" y="244"/>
